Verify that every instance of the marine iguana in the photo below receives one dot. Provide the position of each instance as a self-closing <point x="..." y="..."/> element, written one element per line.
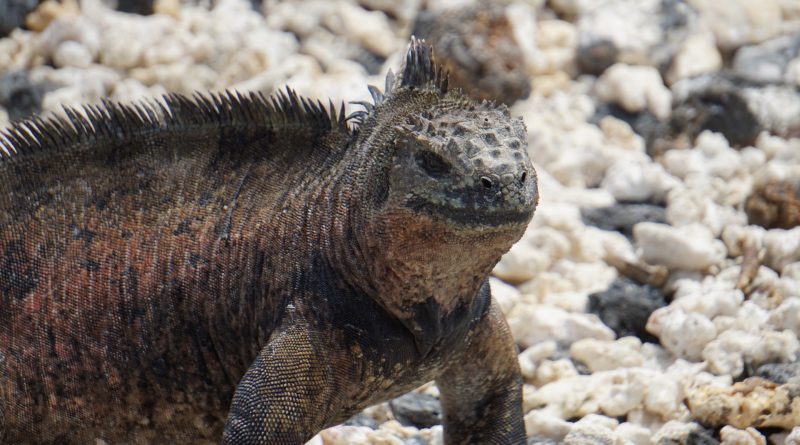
<point x="252" y="270"/>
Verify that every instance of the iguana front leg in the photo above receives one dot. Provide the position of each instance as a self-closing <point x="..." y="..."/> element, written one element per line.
<point x="481" y="389"/>
<point x="285" y="395"/>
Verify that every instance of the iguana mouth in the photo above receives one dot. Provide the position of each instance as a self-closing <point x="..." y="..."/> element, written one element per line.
<point x="470" y="217"/>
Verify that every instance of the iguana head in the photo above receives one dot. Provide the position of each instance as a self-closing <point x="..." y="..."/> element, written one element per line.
<point x="453" y="188"/>
<point x="448" y="157"/>
<point x="468" y="166"/>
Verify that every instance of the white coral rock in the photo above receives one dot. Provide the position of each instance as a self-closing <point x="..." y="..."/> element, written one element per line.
<point x="532" y="324"/>
<point x="783" y="247"/>
<point x="690" y="247"/>
<point x="613" y="393"/>
<point x="604" y="355"/>
<point x="734" y="436"/>
<point x="727" y="354"/>
<point x="638" y="179"/>
<point x="683" y="334"/>
<point x="635" y="88"/>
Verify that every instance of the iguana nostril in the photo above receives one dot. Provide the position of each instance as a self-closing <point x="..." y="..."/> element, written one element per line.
<point x="487" y="182"/>
<point x="523" y="177"/>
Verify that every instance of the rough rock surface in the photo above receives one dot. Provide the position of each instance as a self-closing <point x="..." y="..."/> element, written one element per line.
<point x="12" y="14"/>
<point x="753" y="402"/>
<point x="779" y="372"/>
<point x="418" y="410"/>
<point x="626" y="306"/>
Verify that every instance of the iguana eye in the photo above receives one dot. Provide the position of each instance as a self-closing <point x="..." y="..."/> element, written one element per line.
<point x="432" y="163"/>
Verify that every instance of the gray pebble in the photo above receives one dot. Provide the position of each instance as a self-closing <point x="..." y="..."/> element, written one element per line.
<point x="622" y="217"/>
<point x="417" y="410"/>
<point x="13" y="13"/>
<point x="768" y="61"/>
<point x="779" y="372"/>
<point x="626" y="306"/>
<point x="362" y="420"/>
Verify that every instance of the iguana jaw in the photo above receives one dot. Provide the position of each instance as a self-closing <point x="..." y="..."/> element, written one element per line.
<point x="468" y="217"/>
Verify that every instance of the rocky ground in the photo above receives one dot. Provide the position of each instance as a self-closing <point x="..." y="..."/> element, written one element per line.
<point x="656" y="296"/>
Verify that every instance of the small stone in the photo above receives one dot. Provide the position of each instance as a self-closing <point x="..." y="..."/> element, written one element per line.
<point x="531" y="255"/>
<point x="71" y="53"/>
<point x="393" y="432"/>
<point x="689" y="247"/>
<point x="779" y="372"/>
<point x="654" y="132"/>
<point x="753" y="402"/>
<point x="606" y="422"/>
<point x="362" y="419"/>
<point x="626" y="306"/>
<point x="697" y="202"/>
<point x="739" y="22"/>
<point x="767" y="62"/>
<point x="80" y="30"/>
<point x="554" y="55"/>
<point x="373" y="32"/>
<point x="142" y="7"/>
<point x="775" y="205"/>
<point x="13" y="13"/>
<point x="641" y="32"/>
<point x="552" y="370"/>
<point x="794" y="437"/>
<point x="599" y="355"/>
<point x="531" y="324"/>
<point x="547" y="426"/>
<point x="19" y="95"/>
<point x="632" y="433"/>
<point x="622" y="217"/>
<point x="612" y="393"/>
<point x="734" y="349"/>
<point x="635" y="88"/>
<point x="684" y="335"/>
<point x="783" y="248"/>
<point x="418" y="410"/>
<point x="787" y="315"/>
<point x="733" y="436"/>
<point x="697" y="55"/>
<point x="539" y="440"/>
<point x="665" y="399"/>
<point x="344" y="435"/>
<point x="530" y="358"/>
<point x="735" y="107"/>
<point x="638" y="180"/>
<point x="596" y="56"/>
<point x="590" y="435"/>
<point x="676" y="432"/>
<point x="711" y="297"/>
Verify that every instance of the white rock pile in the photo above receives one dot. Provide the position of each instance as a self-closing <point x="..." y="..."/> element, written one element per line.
<point x="601" y="72"/>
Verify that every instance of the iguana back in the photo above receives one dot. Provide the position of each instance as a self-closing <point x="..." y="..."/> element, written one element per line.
<point x="114" y="251"/>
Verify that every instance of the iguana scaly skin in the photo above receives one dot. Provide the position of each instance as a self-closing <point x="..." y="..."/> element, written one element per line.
<point x="253" y="270"/>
